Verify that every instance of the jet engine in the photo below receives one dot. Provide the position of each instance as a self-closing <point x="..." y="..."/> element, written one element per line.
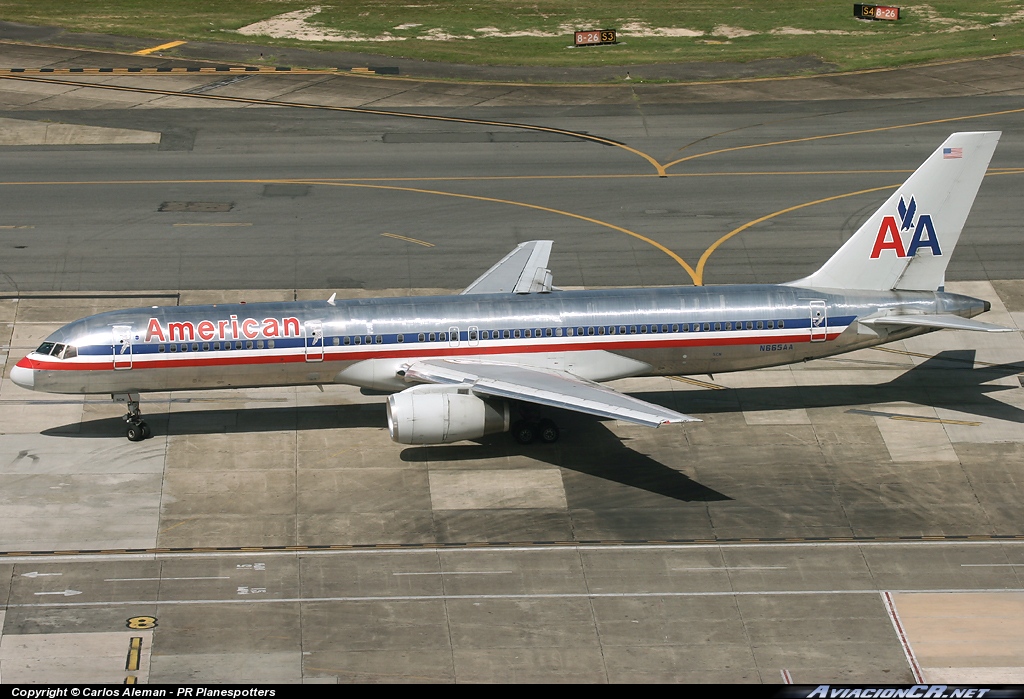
<point x="443" y="414"/>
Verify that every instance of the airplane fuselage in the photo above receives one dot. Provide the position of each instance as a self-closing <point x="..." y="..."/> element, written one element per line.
<point x="598" y="335"/>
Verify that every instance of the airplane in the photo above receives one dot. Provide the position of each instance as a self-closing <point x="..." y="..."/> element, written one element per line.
<point x="511" y="345"/>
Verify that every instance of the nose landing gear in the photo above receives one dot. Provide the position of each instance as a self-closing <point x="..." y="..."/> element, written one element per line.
<point x="136" y="428"/>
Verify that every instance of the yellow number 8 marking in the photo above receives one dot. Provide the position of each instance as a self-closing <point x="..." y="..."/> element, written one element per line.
<point x="141" y="622"/>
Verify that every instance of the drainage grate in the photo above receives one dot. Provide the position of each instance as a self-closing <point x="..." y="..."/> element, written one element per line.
<point x="209" y="207"/>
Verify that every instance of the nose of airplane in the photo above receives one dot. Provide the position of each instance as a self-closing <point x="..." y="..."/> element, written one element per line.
<point x="23" y="376"/>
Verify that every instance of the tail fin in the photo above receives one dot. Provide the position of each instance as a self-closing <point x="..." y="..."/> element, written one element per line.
<point x="907" y="243"/>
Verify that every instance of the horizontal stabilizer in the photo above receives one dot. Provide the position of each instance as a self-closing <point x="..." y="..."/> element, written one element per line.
<point x="556" y="389"/>
<point x="522" y="271"/>
<point x="939" y="322"/>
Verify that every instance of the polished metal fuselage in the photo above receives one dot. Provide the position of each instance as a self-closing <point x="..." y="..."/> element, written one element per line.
<point x="598" y="335"/>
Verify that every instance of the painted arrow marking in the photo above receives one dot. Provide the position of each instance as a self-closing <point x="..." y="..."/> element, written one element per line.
<point x="66" y="593"/>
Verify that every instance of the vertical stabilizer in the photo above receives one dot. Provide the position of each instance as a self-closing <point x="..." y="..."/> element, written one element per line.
<point x="907" y="243"/>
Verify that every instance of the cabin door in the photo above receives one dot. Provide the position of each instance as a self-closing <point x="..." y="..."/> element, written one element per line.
<point x="122" y="347"/>
<point x="314" y="341"/>
<point x="819" y="321"/>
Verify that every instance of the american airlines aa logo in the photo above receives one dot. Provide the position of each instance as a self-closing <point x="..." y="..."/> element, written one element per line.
<point x="890" y="235"/>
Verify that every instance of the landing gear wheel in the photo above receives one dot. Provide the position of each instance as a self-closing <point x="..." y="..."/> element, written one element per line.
<point x="136" y="428"/>
<point x="548" y="432"/>
<point x="524" y="432"/>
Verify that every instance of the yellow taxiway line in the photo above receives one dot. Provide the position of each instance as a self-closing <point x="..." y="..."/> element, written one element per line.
<point x="161" y="47"/>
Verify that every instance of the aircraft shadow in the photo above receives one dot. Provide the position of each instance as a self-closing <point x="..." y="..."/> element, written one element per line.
<point x="947" y="380"/>
<point x="587" y="447"/>
<point x="319" y="417"/>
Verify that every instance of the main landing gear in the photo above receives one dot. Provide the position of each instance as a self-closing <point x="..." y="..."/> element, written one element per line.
<point x="528" y="431"/>
<point x="136" y="428"/>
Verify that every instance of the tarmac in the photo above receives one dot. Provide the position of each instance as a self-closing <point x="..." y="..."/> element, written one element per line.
<point x="853" y="519"/>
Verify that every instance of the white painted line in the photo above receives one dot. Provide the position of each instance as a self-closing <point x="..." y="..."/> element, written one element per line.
<point x="466" y="572"/>
<point x="208" y="577"/>
<point x="63" y="558"/>
<point x="525" y="595"/>
<point x="894" y="617"/>
<point x="990" y="565"/>
<point x="786" y="677"/>
<point x="733" y="568"/>
<point x="34" y="574"/>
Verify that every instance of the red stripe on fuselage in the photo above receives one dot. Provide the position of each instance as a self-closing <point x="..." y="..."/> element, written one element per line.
<point x="215" y="358"/>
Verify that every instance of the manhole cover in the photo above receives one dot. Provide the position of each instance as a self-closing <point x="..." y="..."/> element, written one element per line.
<point x="197" y="206"/>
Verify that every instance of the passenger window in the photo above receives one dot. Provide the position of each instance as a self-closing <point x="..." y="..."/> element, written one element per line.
<point x="238" y="345"/>
<point x="558" y="332"/>
<point x="259" y="343"/>
<point x="358" y="339"/>
<point x="718" y="326"/>
<point x="248" y="344"/>
<point x="675" y="327"/>
<point x="334" y="341"/>
<point x="206" y="346"/>
<point x="442" y="337"/>
<point x="433" y="337"/>
<point x="516" y="334"/>
<point x="643" y="329"/>
<point x="161" y="348"/>
<point x="600" y="331"/>
<point x="568" y="332"/>
<point x="654" y="328"/>
<point x="750" y="326"/>
<point x="401" y="338"/>
<point x="527" y="333"/>
<point x="379" y="339"/>
<point x="771" y="324"/>
<point x="174" y="348"/>
<point x="419" y="338"/>
<point x="760" y="325"/>
<point x="270" y="344"/>
<point x="685" y="327"/>
<point x="472" y="336"/>
<point x="506" y="334"/>
<point x="728" y="326"/>
<point x="590" y="331"/>
<point x="707" y="327"/>
<point x="369" y="339"/>
<point x="184" y="347"/>
<point x="782" y="323"/>
<point x="195" y="346"/>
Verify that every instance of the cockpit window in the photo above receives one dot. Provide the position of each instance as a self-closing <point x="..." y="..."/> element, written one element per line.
<point x="45" y="348"/>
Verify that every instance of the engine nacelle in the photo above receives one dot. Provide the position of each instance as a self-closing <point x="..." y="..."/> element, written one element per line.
<point x="441" y="415"/>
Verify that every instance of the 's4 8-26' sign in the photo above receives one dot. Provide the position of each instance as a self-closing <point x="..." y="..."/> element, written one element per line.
<point x="887" y="12"/>
<point x="595" y="37"/>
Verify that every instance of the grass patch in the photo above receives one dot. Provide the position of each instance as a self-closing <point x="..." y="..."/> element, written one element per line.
<point x="515" y="32"/>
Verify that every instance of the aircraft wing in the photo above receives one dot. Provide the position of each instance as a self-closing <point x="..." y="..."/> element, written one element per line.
<point x="557" y="389"/>
<point x="522" y="271"/>
<point x="950" y="322"/>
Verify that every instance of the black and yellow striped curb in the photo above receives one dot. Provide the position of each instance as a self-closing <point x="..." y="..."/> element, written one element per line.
<point x="610" y="543"/>
<point x="381" y="70"/>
